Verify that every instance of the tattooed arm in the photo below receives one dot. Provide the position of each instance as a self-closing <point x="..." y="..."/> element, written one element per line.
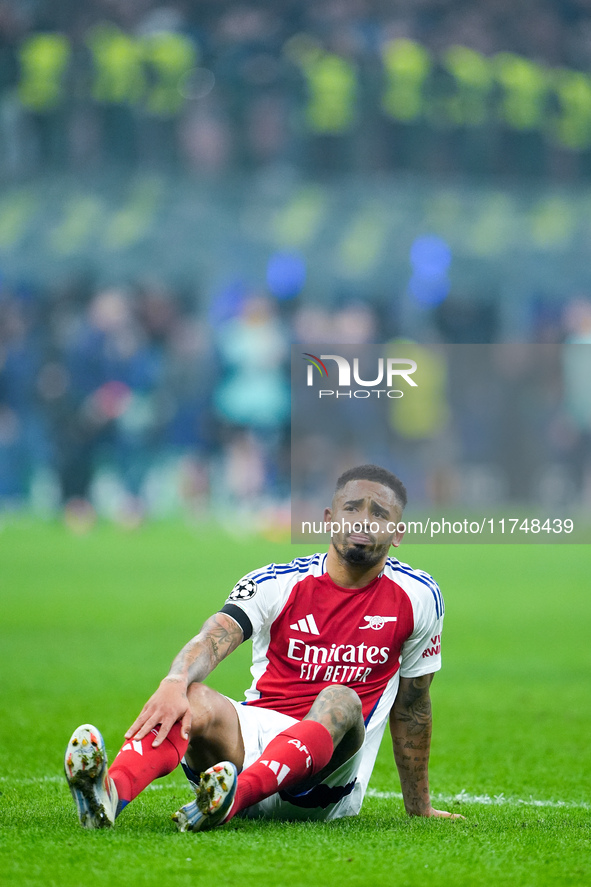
<point x="219" y="636"/>
<point x="410" y="726"/>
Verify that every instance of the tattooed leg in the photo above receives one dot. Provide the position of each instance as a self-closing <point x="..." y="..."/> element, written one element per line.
<point x="338" y="708"/>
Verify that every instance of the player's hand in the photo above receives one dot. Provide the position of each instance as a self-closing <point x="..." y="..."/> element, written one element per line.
<point x="166" y="706"/>
<point x="444" y="814"/>
<point x="432" y="812"/>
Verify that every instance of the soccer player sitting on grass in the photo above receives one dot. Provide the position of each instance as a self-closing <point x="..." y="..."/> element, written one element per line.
<point x="342" y="642"/>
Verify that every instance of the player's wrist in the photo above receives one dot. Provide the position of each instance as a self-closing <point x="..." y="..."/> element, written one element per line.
<point x="175" y="679"/>
<point x="419" y="809"/>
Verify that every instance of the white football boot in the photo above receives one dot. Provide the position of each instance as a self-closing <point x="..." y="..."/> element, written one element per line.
<point x="214" y="798"/>
<point x="86" y="770"/>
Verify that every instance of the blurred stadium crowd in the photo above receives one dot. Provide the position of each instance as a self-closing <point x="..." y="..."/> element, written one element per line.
<point x="131" y="398"/>
<point x="142" y="396"/>
<point x="355" y="85"/>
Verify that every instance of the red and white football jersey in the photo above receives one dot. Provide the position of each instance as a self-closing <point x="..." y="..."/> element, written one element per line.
<point x="309" y="633"/>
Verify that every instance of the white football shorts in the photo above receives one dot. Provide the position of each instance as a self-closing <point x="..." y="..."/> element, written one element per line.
<point x="339" y="794"/>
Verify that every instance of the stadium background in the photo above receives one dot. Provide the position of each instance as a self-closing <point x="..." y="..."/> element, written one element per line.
<point x="188" y="188"/>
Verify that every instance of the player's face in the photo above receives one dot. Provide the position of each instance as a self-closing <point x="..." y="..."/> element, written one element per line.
<point x="367" y="514"/>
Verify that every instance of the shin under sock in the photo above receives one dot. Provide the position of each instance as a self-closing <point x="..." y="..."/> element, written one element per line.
<point x="291" y="758"/>
<point x="138" y="764"/>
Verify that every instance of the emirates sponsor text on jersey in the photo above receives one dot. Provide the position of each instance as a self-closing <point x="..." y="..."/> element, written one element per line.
<point x="354" y="663"/>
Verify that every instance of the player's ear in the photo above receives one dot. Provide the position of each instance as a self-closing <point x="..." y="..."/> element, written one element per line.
<point x="398" y="535"/>
<point x="327" y="514"/>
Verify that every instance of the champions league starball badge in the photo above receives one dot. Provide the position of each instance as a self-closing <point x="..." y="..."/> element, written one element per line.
<point x="243" y="590"/>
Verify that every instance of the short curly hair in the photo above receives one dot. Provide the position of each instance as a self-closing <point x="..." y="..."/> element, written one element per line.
<point x="377" y="474"/>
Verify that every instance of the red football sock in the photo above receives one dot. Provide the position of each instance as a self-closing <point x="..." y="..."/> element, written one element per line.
<point x="293" y="756"/>
<point x="138" y="764"/>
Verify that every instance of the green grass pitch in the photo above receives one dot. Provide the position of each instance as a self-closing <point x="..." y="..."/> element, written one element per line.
<point x="89" y="625"/>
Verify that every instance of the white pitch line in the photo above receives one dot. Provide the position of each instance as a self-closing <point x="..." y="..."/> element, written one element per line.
<point x="463" y="797"/>
<point x="31" y="780"/>
<point x="34" y="780"/>
<point x="488" y="800"/>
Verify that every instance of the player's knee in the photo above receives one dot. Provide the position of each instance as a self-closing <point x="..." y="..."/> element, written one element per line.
<point x="341" y="693"/>
<point x="341" y="702"/>
<point x="202" y="700"/>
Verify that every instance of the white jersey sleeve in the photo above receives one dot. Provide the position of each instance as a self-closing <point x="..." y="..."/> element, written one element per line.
<point x="257" y="599"/>
<point x="421" y="652"/>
